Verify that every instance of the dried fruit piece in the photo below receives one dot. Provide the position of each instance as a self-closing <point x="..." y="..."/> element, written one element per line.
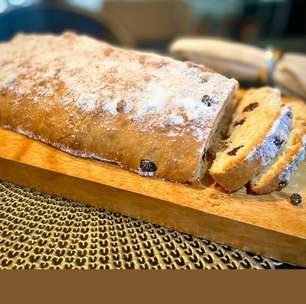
<point x="203" y="79"/>
<point x="251" y="107"/>
<point x="120" y="106"/>
<point x="282" y="184"/>
<point x="234" y="151"/>
<point x="147" y="167"/>
<point x="278" y="141"/>
<point x="296" y="199"/>
<point x="289" y="114"/>
<point x="206" y="99"/>
<point x="239" y="122"/>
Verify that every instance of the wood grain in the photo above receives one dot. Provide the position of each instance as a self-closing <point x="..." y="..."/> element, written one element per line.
<point x="269" y="224"/>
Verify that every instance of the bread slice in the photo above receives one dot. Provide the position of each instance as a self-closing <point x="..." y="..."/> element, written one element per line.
<point x="149" y="114"/>
<point x="277" y="175"/>
<point x="259" y="129"/>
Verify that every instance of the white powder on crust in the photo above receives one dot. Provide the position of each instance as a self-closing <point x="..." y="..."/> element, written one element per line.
<point x="266" y="151"/>
<point x="87" y="102"/>
<point x="176" y="119"/>
<point x="110" y="105"/>
<point x="156" y="91"/>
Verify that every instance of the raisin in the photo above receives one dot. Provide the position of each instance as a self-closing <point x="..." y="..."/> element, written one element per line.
<point x="278" y="141"/>
<point x="250" y="107"/>
<point x="289" y="114"/>
<point x="147" y="166"/>
<point x="207" y="100"/>
<point x="120" y="106"/>
<point x="282" y="184"/>
<point x="234" y="151"/>
<point x="203" y="79"/>
<point x="296" y="199"/>
<point x="239" y="122"/>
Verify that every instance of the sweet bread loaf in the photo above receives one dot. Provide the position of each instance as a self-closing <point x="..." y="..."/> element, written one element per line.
<point x="149" y="114"/>
<point x="259" y="130"/>
<point x="277" y="175"/>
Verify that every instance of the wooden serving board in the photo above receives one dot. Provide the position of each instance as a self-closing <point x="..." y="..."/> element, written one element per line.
<point x="269" y="225"/>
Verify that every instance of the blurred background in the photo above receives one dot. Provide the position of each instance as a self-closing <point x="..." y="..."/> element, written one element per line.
<point x="153" y="24"/>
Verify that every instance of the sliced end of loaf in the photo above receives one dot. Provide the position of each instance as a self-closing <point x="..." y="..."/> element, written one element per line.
<point x="253" y="144"/>
<point x="277" y="175"/>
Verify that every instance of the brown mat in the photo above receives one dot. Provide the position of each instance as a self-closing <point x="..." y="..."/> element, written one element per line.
<point x="44" y="231"/>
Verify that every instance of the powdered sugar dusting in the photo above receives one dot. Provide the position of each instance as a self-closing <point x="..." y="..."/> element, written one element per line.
<point x="157" y="91"/>
<point x="87" y="102"/>
<point x="267" y="150"/>
<point x="110" y="105"/>
<point x="176" y="119"/>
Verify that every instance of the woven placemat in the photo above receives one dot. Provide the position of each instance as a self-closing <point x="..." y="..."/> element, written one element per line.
<point x="45" y="231"/>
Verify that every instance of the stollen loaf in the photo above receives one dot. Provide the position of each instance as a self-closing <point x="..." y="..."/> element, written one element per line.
<point x="149" y="114"/>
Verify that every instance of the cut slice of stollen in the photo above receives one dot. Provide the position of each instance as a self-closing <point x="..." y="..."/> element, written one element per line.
<point x="260" y="128"/>
<point x="277" y="175"/>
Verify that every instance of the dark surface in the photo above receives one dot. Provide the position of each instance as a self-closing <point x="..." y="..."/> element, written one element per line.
<point x="48" y="19"/>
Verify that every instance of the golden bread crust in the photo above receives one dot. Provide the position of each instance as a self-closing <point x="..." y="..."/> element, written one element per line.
<point x="94" y="100"/>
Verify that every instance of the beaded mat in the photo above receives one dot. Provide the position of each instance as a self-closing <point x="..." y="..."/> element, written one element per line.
<point x="45" y="231"/>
